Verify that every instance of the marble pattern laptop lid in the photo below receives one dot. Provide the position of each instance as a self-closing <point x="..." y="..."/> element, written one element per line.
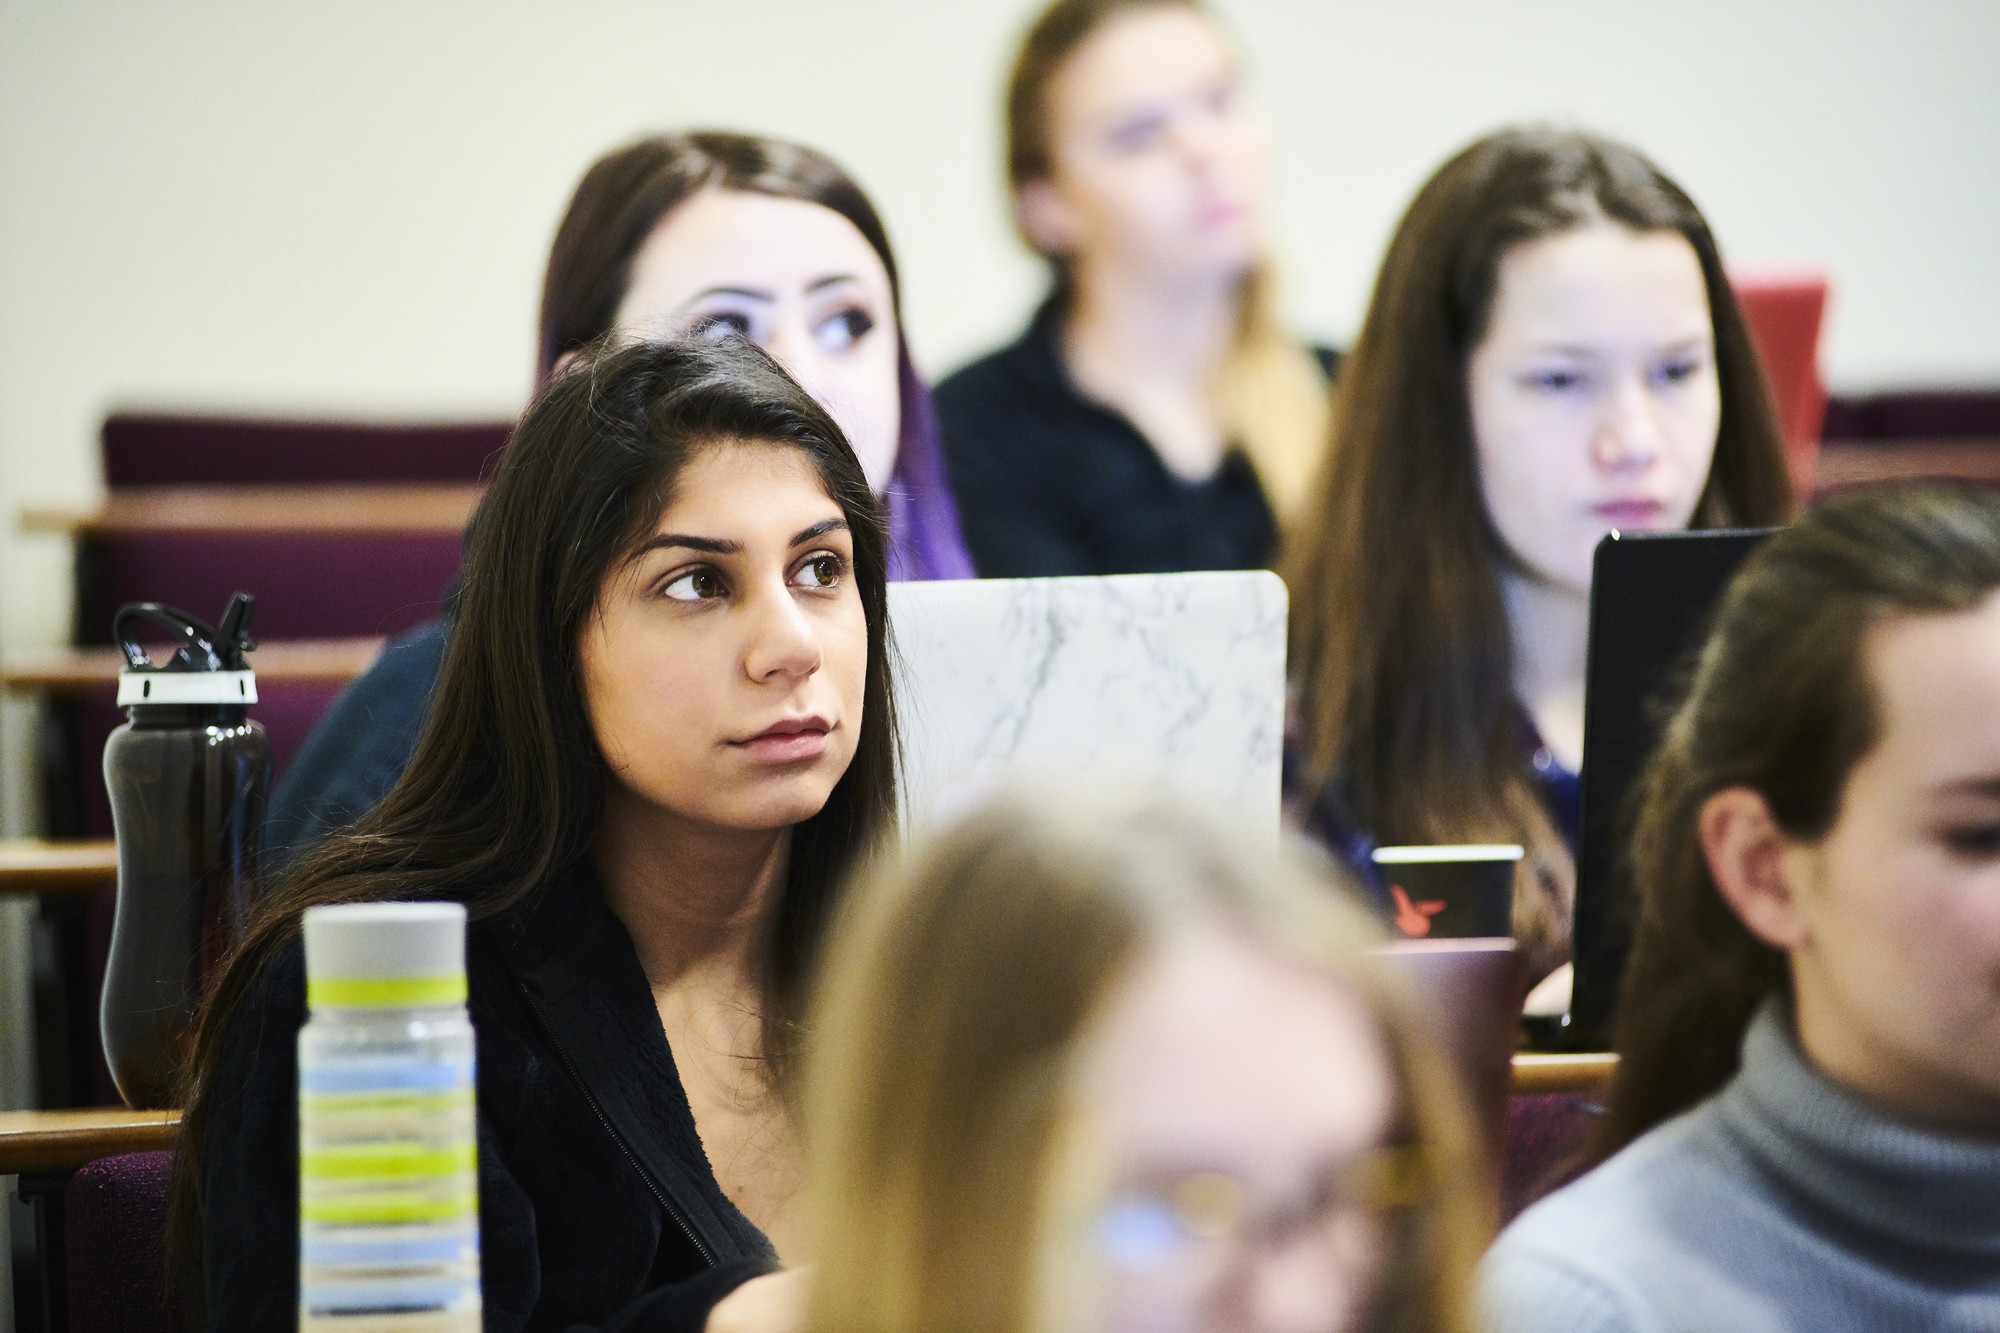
<point x="1178" y="678"/>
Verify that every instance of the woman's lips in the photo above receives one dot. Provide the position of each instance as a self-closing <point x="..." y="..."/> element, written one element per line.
<point x="1631" y="513"/>
<point x="789" y="741"/>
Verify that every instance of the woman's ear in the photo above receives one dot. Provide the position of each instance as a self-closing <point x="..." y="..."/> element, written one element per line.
<point x="1043" y="217"/>
<point x="1751" y="861"/>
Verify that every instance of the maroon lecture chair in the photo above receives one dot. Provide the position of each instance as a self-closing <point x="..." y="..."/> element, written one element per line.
<point x="114" y="1241"/>
<point x="1547" y="1133"/>
<point x="149" y="449"/>
<point x="1785" y="312"/>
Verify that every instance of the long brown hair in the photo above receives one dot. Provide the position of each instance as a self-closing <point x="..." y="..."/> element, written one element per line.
<point x="1400" y="642"/>
<point x="957" y="990"/>
<point x="506" y="787"/>
<point x="1780" y="702"/>
<point x="1269" y="393"/>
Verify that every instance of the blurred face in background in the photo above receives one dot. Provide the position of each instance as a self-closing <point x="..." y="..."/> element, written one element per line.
<point x="797" y="279"/>
<point x="1232" y="1110"/>
<point x="1157" y="159"/>
<point x="1594" y="396"/>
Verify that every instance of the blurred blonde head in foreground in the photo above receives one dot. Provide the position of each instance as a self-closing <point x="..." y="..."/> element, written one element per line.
<point x="1114" y="1066"/>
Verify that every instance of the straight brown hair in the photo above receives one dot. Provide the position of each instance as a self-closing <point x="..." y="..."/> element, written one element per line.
<point x="1779" y="702"/>
<point x="955" y="995"/>
<point x="1400" y="644"/>
<point x="506" y="787"/>
<point x="1270" y="394"/>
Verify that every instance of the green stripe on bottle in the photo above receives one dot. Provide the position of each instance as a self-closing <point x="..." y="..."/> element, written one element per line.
<point x="388" y="1208"/>
<point x="385" y="992"/>
<point x="355" y="1103"/>
<point x="391" y="1162"/>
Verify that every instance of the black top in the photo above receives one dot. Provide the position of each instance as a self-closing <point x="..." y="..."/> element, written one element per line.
<point x="597" y="1206"/>
<point x="1049" y="481"/>
<point x="358" y="748"/>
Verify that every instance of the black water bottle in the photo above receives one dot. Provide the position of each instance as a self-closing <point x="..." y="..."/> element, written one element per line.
<point x="187" y="776"/>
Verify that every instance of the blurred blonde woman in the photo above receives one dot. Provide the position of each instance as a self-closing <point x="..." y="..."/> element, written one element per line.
<point x="1155" y="415"/>
<point x="1106" y="1069"/>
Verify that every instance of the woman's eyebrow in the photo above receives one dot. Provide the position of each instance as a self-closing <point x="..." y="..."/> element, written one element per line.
<point x="712" y="545"/>
<point x="747" y="293"/>
<point x="818" y="530"/>
<point x="833" y="281"/>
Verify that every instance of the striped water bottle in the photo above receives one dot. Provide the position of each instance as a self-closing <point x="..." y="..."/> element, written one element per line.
<point x="388" y="1177"/>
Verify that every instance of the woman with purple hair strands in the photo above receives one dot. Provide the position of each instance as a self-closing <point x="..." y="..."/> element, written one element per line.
<point x="696" y="235"/>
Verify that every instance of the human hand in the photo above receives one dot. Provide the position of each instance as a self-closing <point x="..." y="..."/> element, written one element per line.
<point x="773" y="1303"/>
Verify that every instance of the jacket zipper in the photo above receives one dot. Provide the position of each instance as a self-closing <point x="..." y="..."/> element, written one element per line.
<point x="638" y="1167"/>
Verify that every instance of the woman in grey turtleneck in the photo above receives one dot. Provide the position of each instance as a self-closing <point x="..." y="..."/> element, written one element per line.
<point x="1805" y="1129"/>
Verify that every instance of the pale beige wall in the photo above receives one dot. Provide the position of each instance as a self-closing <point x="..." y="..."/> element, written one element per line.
<point x="343" y="207"/>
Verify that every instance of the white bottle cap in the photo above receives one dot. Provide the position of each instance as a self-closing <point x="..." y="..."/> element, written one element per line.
<point x="385" y="955"/>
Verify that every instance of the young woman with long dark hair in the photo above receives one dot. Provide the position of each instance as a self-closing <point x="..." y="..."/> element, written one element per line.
<point x="1552" y="351"/>
<point x="662" y="735"/>
<point x="688" y="235"/>
<point x="1155" y="415"/>
<point x="1804" y="1130"/>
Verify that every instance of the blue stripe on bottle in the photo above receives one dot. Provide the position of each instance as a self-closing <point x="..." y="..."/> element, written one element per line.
<point x="397" y="1075"/>
<point x="460" y="1244"/>
<point x="408" y="1294"/>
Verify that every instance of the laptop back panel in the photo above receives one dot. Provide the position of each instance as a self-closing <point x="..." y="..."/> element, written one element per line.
<point x="1652" y="597"/>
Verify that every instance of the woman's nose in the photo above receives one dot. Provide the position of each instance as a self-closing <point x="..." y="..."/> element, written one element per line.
<point x="1627" y="437"/>
<point x="783" y="642"/>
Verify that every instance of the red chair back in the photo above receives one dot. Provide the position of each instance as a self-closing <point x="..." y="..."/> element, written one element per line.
<point x="1785" y="312"/>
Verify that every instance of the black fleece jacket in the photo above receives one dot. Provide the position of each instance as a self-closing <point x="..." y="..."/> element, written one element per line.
<point x="597" y="1206"/>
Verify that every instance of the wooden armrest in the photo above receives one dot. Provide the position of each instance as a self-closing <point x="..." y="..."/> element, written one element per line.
<point x="1845" y="463"/>
<point x="65" y="1140"/>
<point x="426" y="507"/>
<point x="29" y="865"/>
<point x="1587" y="1074"/>
<point x="74" y="670"/>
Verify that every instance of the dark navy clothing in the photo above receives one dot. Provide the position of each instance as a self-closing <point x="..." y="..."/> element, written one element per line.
<point x="597" y="1205"/>
<point x="1328" y="820"/>
<point x="1049" y="481"/>
<point x="358" y="748"/>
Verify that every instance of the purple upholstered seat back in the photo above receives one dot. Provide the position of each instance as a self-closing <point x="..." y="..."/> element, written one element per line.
<point x="1546" y="1134"/>
<point x="151" y="450"/>
<point x="114" y="1233"/>
<point x="309" y="585"/>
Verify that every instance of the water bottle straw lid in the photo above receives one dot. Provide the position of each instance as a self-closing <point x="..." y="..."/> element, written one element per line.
<point x="208" y="666"/>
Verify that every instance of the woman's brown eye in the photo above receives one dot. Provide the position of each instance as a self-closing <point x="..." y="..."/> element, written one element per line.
<point x="822" y="571"/>
<point x="697" y="585"/>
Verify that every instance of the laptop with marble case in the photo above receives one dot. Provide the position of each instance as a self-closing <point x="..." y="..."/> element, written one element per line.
<point x="1178" y="678"/>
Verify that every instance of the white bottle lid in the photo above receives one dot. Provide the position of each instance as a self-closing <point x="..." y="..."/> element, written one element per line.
<point x="385" y="955"/>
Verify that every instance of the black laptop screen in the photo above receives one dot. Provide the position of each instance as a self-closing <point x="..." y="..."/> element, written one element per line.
<point x="1651" y="598"/>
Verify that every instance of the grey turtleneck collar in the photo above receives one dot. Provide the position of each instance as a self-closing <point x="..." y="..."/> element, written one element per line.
<point x="1784" y="1204"/>
<point x="1820" y="1142"/>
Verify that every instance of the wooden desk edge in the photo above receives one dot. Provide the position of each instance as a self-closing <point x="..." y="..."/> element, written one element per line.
<point x="33" y="1141"/>
<point x="32" y="866"/>
<point x="1586" y="1073"/>
<point x="73" y="671"/>
<point x="65" y="1140"/>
